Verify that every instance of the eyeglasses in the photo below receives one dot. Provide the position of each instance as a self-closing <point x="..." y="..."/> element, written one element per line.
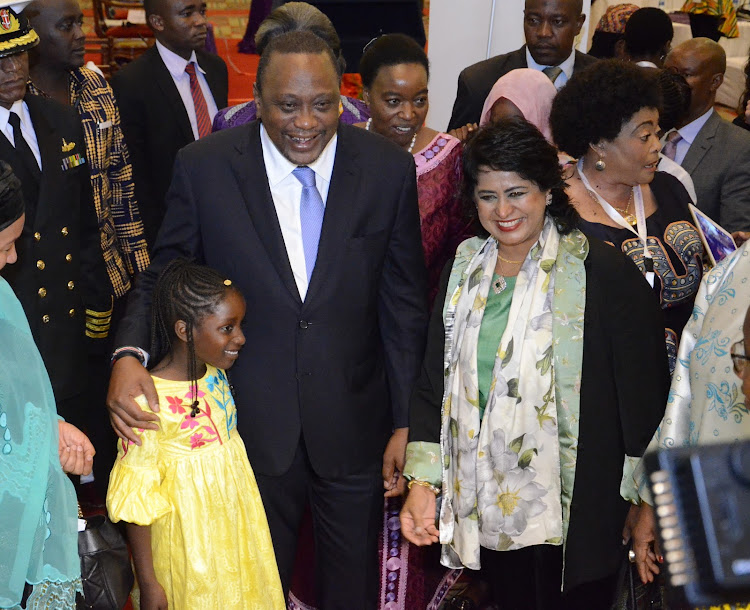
<point x="739" y="359"/>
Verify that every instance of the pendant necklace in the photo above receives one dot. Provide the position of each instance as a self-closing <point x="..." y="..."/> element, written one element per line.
<point x="500" y="284"/>
<point x="413" y="140"/>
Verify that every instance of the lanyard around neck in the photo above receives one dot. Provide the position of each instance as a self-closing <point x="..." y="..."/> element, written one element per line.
<point x="640" y="216"/>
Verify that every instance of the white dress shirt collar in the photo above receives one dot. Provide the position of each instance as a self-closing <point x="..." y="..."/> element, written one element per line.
<point x="176" y="64"/>
<point x="278" y="167"/>
<point x="690" y="131"/>
<point x="646" y="64"/>
<point x="566" y="67"/>
<point x="27" y="128"/>
<point x="19" y="107"/>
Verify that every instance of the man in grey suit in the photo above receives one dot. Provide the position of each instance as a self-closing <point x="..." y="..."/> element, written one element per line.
<point x="550" y="28"/>
<point x="714" y="152"/>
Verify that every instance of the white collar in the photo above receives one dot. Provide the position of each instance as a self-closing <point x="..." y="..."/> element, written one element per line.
<point x="690" y="131"/>
<point x="566" y="66"/>
<point x="646" y="64"/>
<point x="19" y="107"/>
<point x="176" y="64"/>
<point x="278" y="167"/>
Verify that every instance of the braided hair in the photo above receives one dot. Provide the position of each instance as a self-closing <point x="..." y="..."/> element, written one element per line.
<point x="188" y="292"/>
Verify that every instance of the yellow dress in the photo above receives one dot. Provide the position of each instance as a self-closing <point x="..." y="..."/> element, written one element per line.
<point x="192" y="483"/>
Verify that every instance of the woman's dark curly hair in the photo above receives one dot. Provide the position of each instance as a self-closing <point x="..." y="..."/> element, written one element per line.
<point x="515" y="145"/>
<point x="596" y="103"/>
<point x="675" y="93"/>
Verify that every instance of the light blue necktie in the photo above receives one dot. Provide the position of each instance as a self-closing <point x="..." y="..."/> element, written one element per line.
<point x="311" y="210"/>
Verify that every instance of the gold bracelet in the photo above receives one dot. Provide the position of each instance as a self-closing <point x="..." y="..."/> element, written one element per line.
<point x="425" y="484"/>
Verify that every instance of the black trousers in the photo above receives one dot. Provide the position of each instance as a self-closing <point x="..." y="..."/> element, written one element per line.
<point x="346" y="516"/>
<point x="529" y="579"/>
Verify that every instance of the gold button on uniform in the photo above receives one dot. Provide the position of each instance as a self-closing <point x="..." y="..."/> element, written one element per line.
<point x="45" y="318"/>
<point x="37" y="236"/>
<point x="40" y="265"/>
<point x="42" y="292"/>
<point x="64" y="231"/>
<point x="68" y="257"/>
<point x="71" y="285"/>
<point x="72" y="312"/>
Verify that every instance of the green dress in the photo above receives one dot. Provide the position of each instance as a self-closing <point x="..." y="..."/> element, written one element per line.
<point x="494" y="321"/>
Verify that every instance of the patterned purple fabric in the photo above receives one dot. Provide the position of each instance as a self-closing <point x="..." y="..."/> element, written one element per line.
<point x="352" y="111"/>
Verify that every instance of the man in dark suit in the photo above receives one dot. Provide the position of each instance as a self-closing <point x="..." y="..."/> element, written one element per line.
<point x="714" y="152"/>
<point x="550" y="27"/>
<point x="336" y="327"/>
<point x="168" y="97"/>
<point x="60" y="277"/>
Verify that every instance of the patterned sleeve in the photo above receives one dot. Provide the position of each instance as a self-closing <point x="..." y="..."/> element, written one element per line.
<point x="135" y="490"/>
<point x="126" y="215"/>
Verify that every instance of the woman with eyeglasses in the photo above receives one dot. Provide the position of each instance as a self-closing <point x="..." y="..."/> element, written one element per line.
<point x="708" y="401"/>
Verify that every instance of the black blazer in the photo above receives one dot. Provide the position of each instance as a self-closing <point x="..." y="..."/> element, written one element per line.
<point x="624" y="386"/>
<point x="156" y="125"/>
<point x="60" y="269"/>
<point x="339" y="367"/>
<point x="476" y="82"/>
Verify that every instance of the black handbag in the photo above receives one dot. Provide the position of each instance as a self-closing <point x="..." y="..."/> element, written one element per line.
<point x="632" y="594"/>
<point x="106" y="572"/>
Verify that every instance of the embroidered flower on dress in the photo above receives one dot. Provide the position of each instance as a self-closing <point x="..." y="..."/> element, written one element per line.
<point x="175" y="404"/>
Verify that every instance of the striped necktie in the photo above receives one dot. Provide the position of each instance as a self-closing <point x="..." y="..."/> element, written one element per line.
<point x="202" y="119"/>
<point x="670" y="148"/>
<point x="552" y="73"/>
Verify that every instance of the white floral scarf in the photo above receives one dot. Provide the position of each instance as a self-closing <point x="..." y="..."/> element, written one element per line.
<point x="508" y="480"/>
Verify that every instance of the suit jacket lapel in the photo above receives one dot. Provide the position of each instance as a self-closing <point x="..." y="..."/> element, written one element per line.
<point x="50" y="151"/>
<point x="519" y="59"/>
<point x="165" y="84"/>
<point x="340" y="208"/>
<point x="250" y="172"/>
<point x="701" y="144"/>
<point x="213" y="82"/>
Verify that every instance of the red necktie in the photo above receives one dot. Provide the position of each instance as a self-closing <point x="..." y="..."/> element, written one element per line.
<point x="202" y="119"/>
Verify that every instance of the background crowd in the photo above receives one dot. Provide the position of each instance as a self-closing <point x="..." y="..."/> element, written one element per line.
<point x="352" y="360"/>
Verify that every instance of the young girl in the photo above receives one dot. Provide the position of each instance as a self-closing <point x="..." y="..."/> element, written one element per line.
<point x="195" y="518"/>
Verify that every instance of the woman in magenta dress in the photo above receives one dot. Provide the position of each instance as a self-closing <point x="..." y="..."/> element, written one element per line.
<point x="291" y="17"/>
<point x="395" y="72"/>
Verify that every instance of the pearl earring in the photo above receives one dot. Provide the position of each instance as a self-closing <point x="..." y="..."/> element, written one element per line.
<point x="600" y="165"/>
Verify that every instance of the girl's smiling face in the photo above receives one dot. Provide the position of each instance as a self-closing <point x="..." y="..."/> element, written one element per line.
<point x="218" y="336"/>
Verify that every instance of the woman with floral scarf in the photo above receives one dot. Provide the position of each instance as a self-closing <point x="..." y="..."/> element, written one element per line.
<point x="544" y="379"/>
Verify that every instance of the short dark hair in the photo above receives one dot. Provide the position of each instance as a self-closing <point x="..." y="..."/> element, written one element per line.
<point x="596" y="103"/>
<point x="299" y="17"/>
<point x="515" y="145"/>
<point x="675" y="93"/>
<point x="299" y="42"/>
<point x="390" y="50"/>
<point x="648" y="32"/>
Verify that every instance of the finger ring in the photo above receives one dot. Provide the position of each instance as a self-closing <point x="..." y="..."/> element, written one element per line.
<point x="631" y="556"/>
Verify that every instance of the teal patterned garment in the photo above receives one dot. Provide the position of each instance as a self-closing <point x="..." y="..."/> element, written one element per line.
<point x="38" y="508"/>
<point x="706" y="404"/>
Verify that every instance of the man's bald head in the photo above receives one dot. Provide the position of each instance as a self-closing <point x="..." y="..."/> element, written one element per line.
<point x="702" y="62"/>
